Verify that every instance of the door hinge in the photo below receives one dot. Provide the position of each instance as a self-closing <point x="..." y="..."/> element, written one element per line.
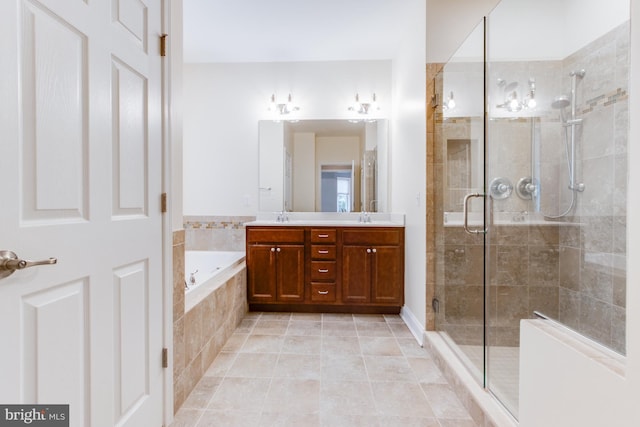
<point x="165" y="358"/>
<point x="163" y="45"/>
<point x="163" y="203"/>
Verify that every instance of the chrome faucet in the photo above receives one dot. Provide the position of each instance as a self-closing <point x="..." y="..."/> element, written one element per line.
<point x="282" y="216"/>
<point x="364" y="217"/>
<point x="192" y="278"/>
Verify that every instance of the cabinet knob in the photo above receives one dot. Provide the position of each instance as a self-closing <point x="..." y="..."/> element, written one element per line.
<point x="273" y="249"/>
<point x="374" y="250"/>
<point x="278" y="250"/>
<point x="368" y="250"/>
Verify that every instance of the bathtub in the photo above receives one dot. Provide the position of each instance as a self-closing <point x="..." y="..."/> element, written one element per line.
<point x="210" y="269"/>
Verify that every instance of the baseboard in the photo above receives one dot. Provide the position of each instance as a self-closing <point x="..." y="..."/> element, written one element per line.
<point x="414" y="325"/>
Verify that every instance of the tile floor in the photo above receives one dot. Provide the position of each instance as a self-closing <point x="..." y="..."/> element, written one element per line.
<point x="299" y="369"/>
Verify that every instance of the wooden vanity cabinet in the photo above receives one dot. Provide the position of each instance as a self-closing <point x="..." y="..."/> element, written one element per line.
<point x="322" y="269"/>
<point x="373" y="266"/>
<point x="277" y="265"/>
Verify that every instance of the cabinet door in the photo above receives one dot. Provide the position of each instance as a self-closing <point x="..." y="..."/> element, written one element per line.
<point x="290" y="273"/>
<point x="386" y="275"/>
<point x="261" y="273"/>
<point x="356" y="274"/>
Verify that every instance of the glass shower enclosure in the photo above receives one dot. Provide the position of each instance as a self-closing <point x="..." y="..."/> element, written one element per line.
<point x="530" y="143"/>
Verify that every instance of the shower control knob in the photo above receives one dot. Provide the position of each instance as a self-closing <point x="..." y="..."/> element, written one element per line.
<point x="500" y="188"/>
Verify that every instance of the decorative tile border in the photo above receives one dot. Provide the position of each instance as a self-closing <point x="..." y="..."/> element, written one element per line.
<point x="215" y="222"/>
<point x="605" y="100"/>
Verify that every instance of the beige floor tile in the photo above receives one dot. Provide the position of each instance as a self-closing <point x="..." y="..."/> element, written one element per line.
<point x="341" y="345"/>
<point x="410" y="348"/>
<point x="235" y="341"/>
<point x="202" y="393"/>
<point x="304" y="328"/>
<point x="373" y="329"/>
<point x="340" y="317"/>
<point x="388" y="421"/>
<point x="229" y="419"/>
<point x="187" y="417"/>
<point x="270" y="326"/>
<point x="293" y="396"/>
<point x="289" y="420"/>
<point x="301" y="366"/>
<point x="262" y="344"/>
<point x="379" y="346"/>
<point x="302" y="344"/>
<point x="401" y="399"/>
<point x="221" y="364"/>
<point x="347" y="398"/>
<point x="426" y="370"/>
<point x="253" y="365"/>
<point x="445" y="402"/>
<point x="333" y="370"/>
<point x="389" y="368"/>
<point x="338" y="329"/>
<point x="345" y="420"/>
<point x="240" y="394"/>
<point x="343" y="368"/>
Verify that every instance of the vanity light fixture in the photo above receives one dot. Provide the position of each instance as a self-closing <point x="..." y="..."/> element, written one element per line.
<point x="450" y="103"/>
<point x="512" y="102"/>
<point x="364" y="107"/>
<point x="282" y="108"/>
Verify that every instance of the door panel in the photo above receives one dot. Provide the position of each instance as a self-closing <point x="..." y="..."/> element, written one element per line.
<point x="356" y="274"/>
<point x="290" y="266"/>
<point x="386" y="268"/>
<point x="81" y="162"/>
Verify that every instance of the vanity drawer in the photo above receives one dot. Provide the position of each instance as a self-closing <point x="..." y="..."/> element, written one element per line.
<point x="323" y="292"/>
<point x="323" y="270"/>
<point x="323" y="235"/>
<point x="367" y="236"/>
<point x="275" y="235"/>
<point x="323" y="251"/>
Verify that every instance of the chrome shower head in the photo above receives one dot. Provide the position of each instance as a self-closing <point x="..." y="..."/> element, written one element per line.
<point x="560" y="101"/>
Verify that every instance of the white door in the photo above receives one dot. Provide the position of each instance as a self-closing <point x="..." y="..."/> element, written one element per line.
<point x="80" y="170"/>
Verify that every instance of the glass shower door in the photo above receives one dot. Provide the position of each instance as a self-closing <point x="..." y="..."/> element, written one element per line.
<point x="459" y="171"/>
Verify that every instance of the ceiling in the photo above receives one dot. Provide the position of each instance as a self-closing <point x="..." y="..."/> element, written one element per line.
<point x="291" y="30"/>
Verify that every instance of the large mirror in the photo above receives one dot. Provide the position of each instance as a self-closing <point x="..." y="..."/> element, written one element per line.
<point x="323" y="166"/>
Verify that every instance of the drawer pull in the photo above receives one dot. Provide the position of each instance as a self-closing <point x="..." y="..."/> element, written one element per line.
<point x="323" y="270"/>
<point x="323" y="252"/>
<point x="323" y="236"/>
<point x="323" y="292"/>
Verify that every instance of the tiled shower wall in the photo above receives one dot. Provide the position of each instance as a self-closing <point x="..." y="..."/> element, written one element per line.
<point x="573" y="271"/>
<point x="593" y="300"/>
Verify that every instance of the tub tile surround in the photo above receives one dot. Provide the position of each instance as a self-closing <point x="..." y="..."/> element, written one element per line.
<point x="200" y="332"/>
<point x="216" y="233"/>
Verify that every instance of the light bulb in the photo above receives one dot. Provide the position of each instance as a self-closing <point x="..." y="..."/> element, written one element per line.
<point x="532" y="103"/>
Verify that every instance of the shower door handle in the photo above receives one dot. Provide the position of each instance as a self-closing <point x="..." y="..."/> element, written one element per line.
<point x="465" y="214"/>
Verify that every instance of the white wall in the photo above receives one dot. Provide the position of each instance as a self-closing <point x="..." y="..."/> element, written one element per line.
<point x="175" y="113"/>
<point x="408" y="156"/>
<point x="224" y="102"/>
<point x="449" y="23"/>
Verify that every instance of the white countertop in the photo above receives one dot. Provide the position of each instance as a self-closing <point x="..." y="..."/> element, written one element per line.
<point x="328" y="219"/>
